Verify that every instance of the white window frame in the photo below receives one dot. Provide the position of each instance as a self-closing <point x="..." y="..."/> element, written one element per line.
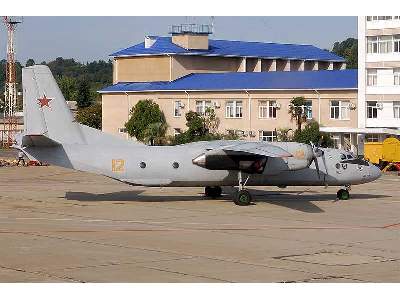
<point x="396" y="109"/>
<point x="177" y="131"/>
<point x="373" y="108"/>
<point x="307" y="109"/>
<point x="267" y="135"/>
<point x="396" y="76"/>
<point x="372" y="138"/>
<point x="234" y="109"/>
<point x="372" y="77"/>
<point x="385" y="44"/>
<point x="267" y="109"/>
<point x="177" y="108"/>
<point x="396" y="43"/>
<point x="372" y="44"/>
<point x="343" y="105"/>
<point x="202" y="105"/>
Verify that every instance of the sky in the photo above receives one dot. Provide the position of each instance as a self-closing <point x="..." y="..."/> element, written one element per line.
<point x="92" y="38"/>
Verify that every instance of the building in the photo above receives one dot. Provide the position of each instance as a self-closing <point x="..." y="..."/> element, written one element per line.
<point x="379" y="77"/>
<point x="249" y="84"/>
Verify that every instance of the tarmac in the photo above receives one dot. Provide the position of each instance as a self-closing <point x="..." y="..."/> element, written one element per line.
<point x="59" y="225"/>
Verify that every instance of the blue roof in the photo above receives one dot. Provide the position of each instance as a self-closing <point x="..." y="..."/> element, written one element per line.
<point x="164" y="45"/>
<point x="300" y="80"/>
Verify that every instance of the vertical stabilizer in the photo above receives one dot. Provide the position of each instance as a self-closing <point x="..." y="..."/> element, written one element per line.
<point x="45" y="110"/>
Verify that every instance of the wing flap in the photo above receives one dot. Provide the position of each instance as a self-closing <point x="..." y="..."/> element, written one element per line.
<point x="258" y="148"/>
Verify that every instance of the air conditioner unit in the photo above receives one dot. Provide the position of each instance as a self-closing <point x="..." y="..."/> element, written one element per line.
<point x="251" y="133"/>
<point x="352" y="106"/>
<point x="379" y="105"/>
<point x="276" y="105"/>
<point x="216" y="104"/>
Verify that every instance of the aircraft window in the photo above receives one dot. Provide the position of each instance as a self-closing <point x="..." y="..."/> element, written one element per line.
<point x="349" y="156"/>
<point x="142" y="165"/>
<point x="175" y="165"/>
<point x="337" y="166"/>
<point x="342" y="156"/>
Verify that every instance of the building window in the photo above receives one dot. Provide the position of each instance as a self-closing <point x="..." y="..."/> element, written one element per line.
<point x="372" y="44"/>
<point x="396" y="76"/>
<point x="122" y="130"/>
<point x="340" y="110"/>
<point x="371" y="77"/>
<point x="307" y="109"/>
<point x="396" y="109"/>
<point x="336" y="141"/>
<point x="372" y="110"/>
<point x="396" y="43"/>
<point x="177" y="108"/>
<point x="201" y="106"/>
<point x="267" y="109"/>
<point x="385" y="44"/>
<point x="371" y="138"/>
<point x="267" y="136"/>
<point x="234" y="109"/>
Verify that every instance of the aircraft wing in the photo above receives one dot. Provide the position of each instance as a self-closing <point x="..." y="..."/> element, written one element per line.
<point x="250" y="157"/>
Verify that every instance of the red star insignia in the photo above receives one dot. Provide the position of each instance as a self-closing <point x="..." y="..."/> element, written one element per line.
<point x="44" y="101"/>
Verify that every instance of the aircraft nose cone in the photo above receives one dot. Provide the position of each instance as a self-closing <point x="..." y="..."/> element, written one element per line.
<point x="375" y="172"/>
<point x="200" y="160"/>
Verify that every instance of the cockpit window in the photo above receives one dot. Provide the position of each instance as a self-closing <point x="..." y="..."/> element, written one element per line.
<point x="342" y="156"/>
<point x="349" y="156"/>
<point x="356" y="161"/>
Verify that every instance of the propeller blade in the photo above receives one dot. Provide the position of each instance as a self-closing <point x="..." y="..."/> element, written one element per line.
<point x="317" y="167"/>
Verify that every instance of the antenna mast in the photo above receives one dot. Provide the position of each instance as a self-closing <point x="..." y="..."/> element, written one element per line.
<point x="10" y="92"/>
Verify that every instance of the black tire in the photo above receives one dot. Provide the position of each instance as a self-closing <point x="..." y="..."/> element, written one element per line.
<point x="208" y="191"/>
<point x="343" y="194"/>
<point x="243" y="198"/>
<point x="217" y="191"/>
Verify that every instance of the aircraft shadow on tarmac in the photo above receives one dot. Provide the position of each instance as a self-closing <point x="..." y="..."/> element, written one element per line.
<point x="290" y="199"/>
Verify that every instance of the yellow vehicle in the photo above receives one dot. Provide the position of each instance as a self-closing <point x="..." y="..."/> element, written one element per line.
<point x="383" y="153"/>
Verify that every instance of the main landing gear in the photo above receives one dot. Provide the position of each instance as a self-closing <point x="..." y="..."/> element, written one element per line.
<point x="343" y="193"/>
<point x="243" y="197"/>
<point x="213" y="191"/>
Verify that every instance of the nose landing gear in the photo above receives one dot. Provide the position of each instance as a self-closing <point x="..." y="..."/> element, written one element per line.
<point x="243" y="197"/>
<point x="343" y="193"/>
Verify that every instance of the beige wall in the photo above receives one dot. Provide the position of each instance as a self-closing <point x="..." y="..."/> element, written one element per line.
<point x="190" y="41"/>
<point x="183" y="65"/>
<point x="116" y="109"/>
<point x="142" y="69"/>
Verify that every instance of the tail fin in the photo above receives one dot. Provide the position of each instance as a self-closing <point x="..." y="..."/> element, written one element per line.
<point x="45" y="109"/>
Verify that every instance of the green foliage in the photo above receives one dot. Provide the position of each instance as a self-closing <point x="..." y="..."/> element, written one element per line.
<point x="144" y="113"/>
<point x="201" y="128"/>
<point x="68" y="87"/>
<point x="297" y="111"/>
<point x="90" y="116"/>
<point x="30" y="62"/>
<point x="154" y="134"/>
<point x="349" y="50"/>
<point x="311" y="133"/>
<point x="283" y="134"/>
<point x="83" y="96"/>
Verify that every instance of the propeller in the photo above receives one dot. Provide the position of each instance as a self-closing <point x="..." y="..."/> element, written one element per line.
<point x="317" y="152"/>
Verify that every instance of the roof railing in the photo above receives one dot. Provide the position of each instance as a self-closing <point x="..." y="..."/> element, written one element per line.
<point x="191" y="29"/>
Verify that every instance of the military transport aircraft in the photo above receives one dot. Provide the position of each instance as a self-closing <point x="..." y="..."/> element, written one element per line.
<point x="52" y="135"/>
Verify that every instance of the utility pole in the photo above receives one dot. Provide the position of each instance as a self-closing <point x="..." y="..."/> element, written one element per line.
<point x="10" y="92"/>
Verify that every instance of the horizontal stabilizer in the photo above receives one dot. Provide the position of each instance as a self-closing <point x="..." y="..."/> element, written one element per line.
<point x="38" y="141"/>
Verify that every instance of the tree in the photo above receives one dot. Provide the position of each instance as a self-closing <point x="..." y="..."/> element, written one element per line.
<point x="144" y="113"/>
<point x="311" y="133"/>
<point x="83" y="97"/>
<point x="30" y="62"/>
<point x="298" y="111"/>
<point x="349" y="50"/>
<point x="68" y="87"/>
<point x="155" y="133"/>
<point x="283" y="134"/>
<point x="90" y="116"/>
<point x="211" y="121"/>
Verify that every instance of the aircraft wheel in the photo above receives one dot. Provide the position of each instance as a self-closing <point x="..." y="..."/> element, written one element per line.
<point x="213" y="191"/>
<point x="343" y="194"/>
<point x="243" y="198"/>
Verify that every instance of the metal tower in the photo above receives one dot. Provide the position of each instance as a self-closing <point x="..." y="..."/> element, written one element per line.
<point x="10" y="92"/>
